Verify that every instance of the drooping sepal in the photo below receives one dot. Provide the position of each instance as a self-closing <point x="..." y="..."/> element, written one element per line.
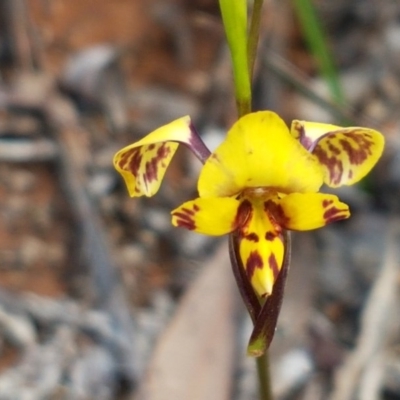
<point x="143" y="164"/>
<point x="249" y="296"/>
<point x="263" y="312"/>
<point x="265" y="325"/>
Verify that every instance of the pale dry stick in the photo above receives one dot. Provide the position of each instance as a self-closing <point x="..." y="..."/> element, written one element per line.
<point x="28" y="150"/>
<point x="377" y="322"/>
<point x="26" y="50"/>
<point x="372" y="378"/>
<point x="93" y="244"/>
<point x="194" y="357"/>
<point x="110" y="293"/>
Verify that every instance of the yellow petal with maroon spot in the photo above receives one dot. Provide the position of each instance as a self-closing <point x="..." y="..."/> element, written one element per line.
<point x="305" y="211"/>
<point x="143" y="164"/>
<point x="347" y="155"/>
<point x="307" y="133"/>
<point x="259" y="151"/>
<point x="216" y="216"/>
<point x="261" y="247"/>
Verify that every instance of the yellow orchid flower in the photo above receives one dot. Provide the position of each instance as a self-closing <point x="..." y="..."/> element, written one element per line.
<point x="263" y="179"/>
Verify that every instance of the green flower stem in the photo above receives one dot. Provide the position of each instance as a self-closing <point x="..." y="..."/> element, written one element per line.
<point x="243" y="49"/>
<point x="254" y="35"/>
<point x="243" y="107"/>
<point x="234" y="17"/>
<point x="264" y="377"/>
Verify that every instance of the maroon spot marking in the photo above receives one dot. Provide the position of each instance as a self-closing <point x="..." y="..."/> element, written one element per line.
<point x="326" y="203"/>
<point x="151" y="167"/>
<point x="273" y="264"/>
<point x="334" y="165"/>
<point x="185" y="219"/>
<point x="359" y="154"/>
<point x="125" y="158"/>
<point x="276" y="210"/>
<point x="270" y="236"/>
<point x="135" y="161"/>
<point x="196" y="208"/>
<point x="131" y="161"/>
<point x="254" y="261"/>
<point x="151" y="146"/>
<point x="334" y="214"/>
<point x="333" y="149"/>
<point x="253" y="237"/>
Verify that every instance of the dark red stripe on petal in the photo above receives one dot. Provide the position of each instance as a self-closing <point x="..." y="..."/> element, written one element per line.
<point x="131" y="161"/>
<point x="254" y="261"/>
<point x="184" y="219"/>
<point x="334" y="214"/>
<point x="335" y="150"/>
<point x="151" y="167"/>
<point x="359" y="154"/>
<point x="243" y="215"/>
<point x="334" y="164"/>
<point x="273" y="264"/>
<point x="188" y="211"/>
<point x="276" y="210"/>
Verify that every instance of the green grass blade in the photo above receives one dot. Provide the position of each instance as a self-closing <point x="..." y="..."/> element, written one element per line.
<point x="316" y="39"/>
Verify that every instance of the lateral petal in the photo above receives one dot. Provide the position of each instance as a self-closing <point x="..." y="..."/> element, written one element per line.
<point x="306" y="211"/>
<point x="216" y="216"/>
<point x="259" y="152"/>
<point x="143" y="164"/>
<point x="261" y="247"/>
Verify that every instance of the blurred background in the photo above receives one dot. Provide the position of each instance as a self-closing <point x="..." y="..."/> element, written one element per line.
<point x="99" y="297"/>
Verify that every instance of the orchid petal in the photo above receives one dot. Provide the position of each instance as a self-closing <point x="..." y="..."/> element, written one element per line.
<point x="306" y="211"/>
<point x="216" y="216"/>
<point x="259" y="152"/>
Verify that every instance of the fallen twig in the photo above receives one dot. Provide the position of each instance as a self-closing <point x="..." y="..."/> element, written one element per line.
<point x="378" y="319"/>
